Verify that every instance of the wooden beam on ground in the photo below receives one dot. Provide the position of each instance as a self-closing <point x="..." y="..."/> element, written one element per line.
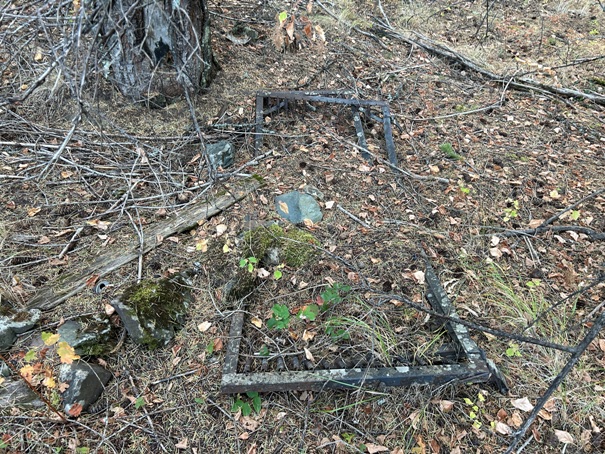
<point x="70" y="283"/>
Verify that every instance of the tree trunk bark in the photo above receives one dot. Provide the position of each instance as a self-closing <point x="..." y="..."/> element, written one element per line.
<point x="158" y="48"/>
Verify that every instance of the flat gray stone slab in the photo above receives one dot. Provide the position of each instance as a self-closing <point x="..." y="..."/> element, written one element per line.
<point x="296" y="207"/>
<point x="86" y="383"/>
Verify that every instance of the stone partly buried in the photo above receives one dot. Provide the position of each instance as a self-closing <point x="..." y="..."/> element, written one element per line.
<point x="152" y="311"/>
<point x="297" y="207"/>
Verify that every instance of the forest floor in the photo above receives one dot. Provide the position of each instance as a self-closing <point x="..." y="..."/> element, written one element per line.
<point x="483" y="162"/>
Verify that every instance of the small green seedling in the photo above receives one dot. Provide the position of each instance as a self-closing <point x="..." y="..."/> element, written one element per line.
<point x="332" y="295"/>
<point x="534" y="283"/>
<point x="575" y="215"/>
<point x="281" y="317"/>
<point x="244" y="405"/>
<point x="248" y="263"/>
<point x="474" y="410"/>
<point x="309" y="312"/>
<point x="512" y="350"/>
<point x="277" y="273"/>
<point x="512" y="211"/>
<point x="449" y="151"/>
<point x="337" y="333"/>
<point x="140" y="402"/>
<point x="264" y="351"/>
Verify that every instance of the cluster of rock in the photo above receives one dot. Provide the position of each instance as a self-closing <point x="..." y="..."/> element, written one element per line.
<point x="152" y="311"/>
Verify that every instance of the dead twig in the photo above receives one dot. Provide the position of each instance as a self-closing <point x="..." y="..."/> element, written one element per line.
<point x="573" y="360"/>
<point x="355" y="218"/>
<point x="515" y="82"/>
<point x="571" y="207"/>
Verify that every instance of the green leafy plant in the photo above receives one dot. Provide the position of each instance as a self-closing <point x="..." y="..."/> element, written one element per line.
<point x="512" y="211"/>
<point x="463" y="189"/>
<point x="244" y="404"/>
<point x="534" y="283"/>
<point x="575" y="215"/>
<point x="474" y="410"/>
<point x="332" y="295"/>
<point x="336" y="330"/>
<point x="447" y="148"/>
<point x="512" y="350"/>
<point x="249" y="263"/>
<point x="140" y="402"/>
<point x="277" y="273"/>
<point x="281" y="317"/>
<point x="264" y="351"/>
<point x="309" y="312"/>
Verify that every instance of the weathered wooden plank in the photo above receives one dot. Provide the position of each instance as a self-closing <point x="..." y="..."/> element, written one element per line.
<point x="68" y="284"/>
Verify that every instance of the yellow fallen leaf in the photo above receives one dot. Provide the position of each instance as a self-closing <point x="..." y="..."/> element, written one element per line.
<point x="31" y="212"/>
<point x="67" y="353"/>
<point x="256" y="322"/>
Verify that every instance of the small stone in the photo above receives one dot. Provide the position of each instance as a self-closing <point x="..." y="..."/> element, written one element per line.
<point x="313" y="192"/>
<point x="89" y="335"/>
<point x="297" y="207"/>
<point x="86" y="383"/>
<point x="14" y="392"/>
<point x="221" y="154"/>
<point x="7" y="337"/>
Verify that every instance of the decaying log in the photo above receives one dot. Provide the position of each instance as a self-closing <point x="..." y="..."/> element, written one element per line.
<point x="68" y="284"/>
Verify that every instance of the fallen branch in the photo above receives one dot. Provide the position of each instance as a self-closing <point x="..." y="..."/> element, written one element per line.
<point x="68" y="284"/>
<point x="592" y="234"/>
<point x="519" y="83"/>
<point x="575" y="357"/>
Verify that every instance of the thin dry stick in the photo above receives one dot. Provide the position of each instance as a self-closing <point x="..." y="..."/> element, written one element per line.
<point x="352" y="216"/>
<point x="71" y="241"/>
<point x="393" y="166"/>
<point x="575" y="357"/>
<point x="76" y="122"/>
<point x="571" y="207"/>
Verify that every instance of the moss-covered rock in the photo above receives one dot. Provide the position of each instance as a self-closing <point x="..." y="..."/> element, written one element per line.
<point x="294" y="246"/>
<point x="89" y="335"/>
<point x="152" y="311"/>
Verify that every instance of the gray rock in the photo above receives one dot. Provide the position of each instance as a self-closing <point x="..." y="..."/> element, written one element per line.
<point x="296" y="207"/>
<point x="89" y="335"/>
<point x="86" y="383"/>
<point x="5" y="371"/>
<point x="153" y="311"/>
<point x="7" y="337"/>
<point x="14" y="392"/>
<point x="221" y="154"/>
<point x="19" y="320"/>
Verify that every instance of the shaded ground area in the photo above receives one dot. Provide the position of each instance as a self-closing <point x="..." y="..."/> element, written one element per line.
<point x="491" y="160"/>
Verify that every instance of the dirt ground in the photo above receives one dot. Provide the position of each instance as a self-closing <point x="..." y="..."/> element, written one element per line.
<point x="480" y="163"/>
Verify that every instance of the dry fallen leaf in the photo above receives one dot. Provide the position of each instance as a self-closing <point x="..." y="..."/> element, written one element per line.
<point x="446" y="405"/>
<point x="75" y="410"/>
<point x="256" y="322"/>
<point x="220" y="229"/>
<point x="284" y="207"/>
<point x="371" y="448"/>
<point x="309" y="355"/>
<point x="563" y="437"/>
<point x="183" y="444"/>
<point x="31" y="212"/>
<point x="522" y="404"/>
<point x="204" y="326"/>
<point x="502" y="428"/>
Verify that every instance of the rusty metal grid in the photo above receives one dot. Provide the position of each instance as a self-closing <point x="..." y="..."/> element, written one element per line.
<point x="472" y="365"/>
<point x="333" y="97"/>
